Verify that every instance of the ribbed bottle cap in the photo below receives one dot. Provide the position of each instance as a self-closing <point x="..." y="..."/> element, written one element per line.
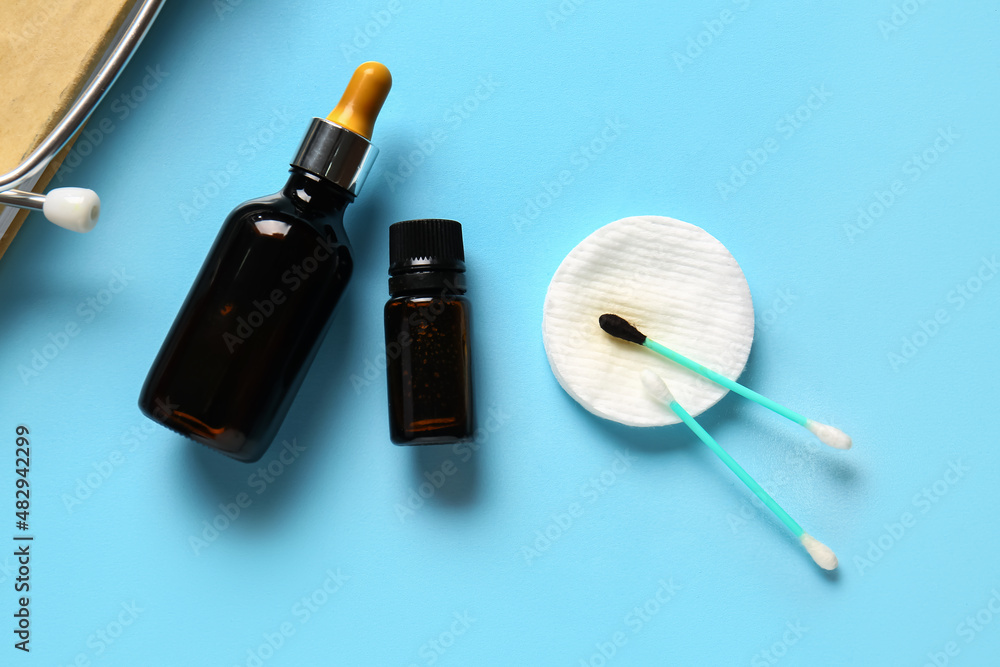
<point x="426" y="245"/>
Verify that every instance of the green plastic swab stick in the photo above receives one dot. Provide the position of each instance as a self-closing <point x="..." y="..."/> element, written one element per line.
<point x="820" y="553"/>
<point x="621" y="328"/>
<point x="757" y="489"/>
<point x="720" y="379"/>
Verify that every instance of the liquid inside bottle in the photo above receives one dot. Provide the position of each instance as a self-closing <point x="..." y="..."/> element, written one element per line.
<point x="430" y="395"/>
<point x="245" y="336"/>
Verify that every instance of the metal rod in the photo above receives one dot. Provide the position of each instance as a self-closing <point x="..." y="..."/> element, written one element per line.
<point x="22" y="199"/>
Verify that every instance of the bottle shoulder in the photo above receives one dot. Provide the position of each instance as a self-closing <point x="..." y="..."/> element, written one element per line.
<point x="422" y="300"/>
<point x="277" y="216"/>
<point x="275" y="201"/>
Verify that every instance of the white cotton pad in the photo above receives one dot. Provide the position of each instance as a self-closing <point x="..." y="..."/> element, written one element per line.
<point x="678" y="285"/>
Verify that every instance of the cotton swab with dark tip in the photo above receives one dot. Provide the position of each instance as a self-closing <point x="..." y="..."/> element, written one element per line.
<point x="820" y="553"/>
<point x="621" y="328"/>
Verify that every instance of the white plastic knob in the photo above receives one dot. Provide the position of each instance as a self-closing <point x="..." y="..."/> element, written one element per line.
<point x="75" y="209"/>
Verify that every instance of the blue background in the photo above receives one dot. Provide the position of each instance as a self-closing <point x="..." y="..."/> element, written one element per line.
<point x="468" y="577"/>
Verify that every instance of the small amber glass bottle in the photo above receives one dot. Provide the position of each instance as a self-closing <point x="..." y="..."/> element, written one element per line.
<point x="428" y="360"/>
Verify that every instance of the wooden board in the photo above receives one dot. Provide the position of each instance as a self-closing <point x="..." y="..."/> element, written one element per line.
<point x="48" y="51"/>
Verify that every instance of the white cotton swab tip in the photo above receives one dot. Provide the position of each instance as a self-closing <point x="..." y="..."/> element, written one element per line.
<point x="829" y="435"/>
<point x="822" y="554"/>
<point x="656" y="387"/>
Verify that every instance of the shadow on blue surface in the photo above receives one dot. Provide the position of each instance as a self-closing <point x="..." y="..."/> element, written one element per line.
<point x="729" y="416"/>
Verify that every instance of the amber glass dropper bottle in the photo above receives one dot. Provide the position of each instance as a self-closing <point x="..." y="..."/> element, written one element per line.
<point x="251" y="324"/>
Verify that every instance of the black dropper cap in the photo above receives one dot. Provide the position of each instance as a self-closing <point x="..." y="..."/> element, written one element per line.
<point x="426" y="254"/>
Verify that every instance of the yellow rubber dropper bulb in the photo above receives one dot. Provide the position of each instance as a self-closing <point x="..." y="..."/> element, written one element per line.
<point x="362" y="100"/>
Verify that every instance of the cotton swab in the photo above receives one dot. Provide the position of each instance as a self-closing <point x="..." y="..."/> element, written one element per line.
<point x="620" y="328"/>
<point x="821" y="554"/>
